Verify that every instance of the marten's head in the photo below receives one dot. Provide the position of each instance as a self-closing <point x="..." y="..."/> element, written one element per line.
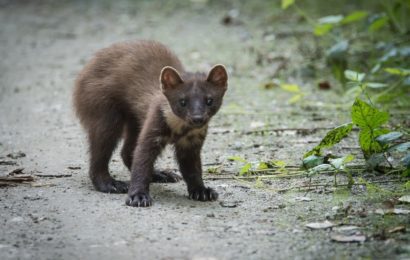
<point x="194" y="97"/>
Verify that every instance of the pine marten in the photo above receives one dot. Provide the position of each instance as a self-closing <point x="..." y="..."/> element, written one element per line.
<point x="140" y="91"/>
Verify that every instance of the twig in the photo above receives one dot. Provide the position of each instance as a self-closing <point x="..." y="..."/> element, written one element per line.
<point x="53" y="175"/>
<point x="17" y="178"/>
<point x="338" y="185"/>
<point x="253" y="177"/>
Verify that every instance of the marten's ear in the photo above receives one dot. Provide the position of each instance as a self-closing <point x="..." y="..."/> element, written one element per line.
<point x="218" y="76"/>
<point x="170" y="78"/>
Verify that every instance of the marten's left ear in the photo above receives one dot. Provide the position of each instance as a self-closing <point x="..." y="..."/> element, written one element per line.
<point x="218" y="76"/>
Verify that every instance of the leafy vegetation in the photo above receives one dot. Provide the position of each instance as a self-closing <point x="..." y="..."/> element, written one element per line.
<point x="380" y="84"/>
<point x="374" y="40"/>
<point x="368" y="53"/>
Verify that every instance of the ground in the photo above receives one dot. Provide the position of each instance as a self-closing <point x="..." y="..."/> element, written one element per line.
<point x="44" y="44"/>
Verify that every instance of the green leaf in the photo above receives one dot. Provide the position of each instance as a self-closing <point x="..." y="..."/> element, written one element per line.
<point x="398" y="71"/>
<point x="400" y="147"/>
<point x="259" y="184"/>
<point x="312" y="161"/>
<point x="331" y="19"/>
<point x="367" y="141"/>
<point x="388" y="138"/>
<point x="216" y="169"/>
<point x="322" y="29"/>
<point x="355" y="16"/>
<point x="290" y="88"/>
<point x="339" y="163"/>
<point x="406" y="161"/>
<point x="287" y="3"/>
<point x="378" y="23"/>
<point x="376" y="85"/>
<point x="332" y="137"/>
<point x="245" y="169"/>
<point x="295" y="98"/>
<point x="237" y="158"/>
<point x="354" y="75"/>
<point x="262" y="166"/>
<point x="375" y="160"/>
<point x="366" y="116"/>
<point x="280" y="164"/>
<point x="338" y="51"/>
<point x="320" y="168"/>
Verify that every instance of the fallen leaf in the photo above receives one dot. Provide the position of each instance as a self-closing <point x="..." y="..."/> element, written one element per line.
<point x="324" y="85"/>
<point x="303" y="199"/>
<point x="16" y="171"/>
<point x="348" y="239"/>
<point x="320" y="225"/>
<point x="392" y="211"/>
<point x="16" y="155"/>
<point x="405" y="198"/>
<point x="227" y="204"/>
<point x="345" y="228"/>
<point x="74" y="167"/>
<point x="270" y="85"/>
<point x="397" y="229"/>
<point x="256" y="124"/>
<point x="44" y="184"/>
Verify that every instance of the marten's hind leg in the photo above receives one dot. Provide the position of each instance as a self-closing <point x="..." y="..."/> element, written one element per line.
<point x="131" y="133"/>
<point x="103" y="137"/>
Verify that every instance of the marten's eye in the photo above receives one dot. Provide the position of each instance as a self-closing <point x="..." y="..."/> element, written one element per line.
<point x="182" y="102"/>
<point x="209" y="101"/>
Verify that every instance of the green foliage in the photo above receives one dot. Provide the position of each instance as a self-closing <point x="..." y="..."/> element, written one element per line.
<point x="398" y="71"/>
<point x="248" y="168"/>
<point x="388" y="138"/>
<point x="295" y="90"/>
<point x="339" y="163"/>
<point x="354" y="17"/>
<point x="313" y="161"/>
<point x="369" y="120"/>
<point x="245" y="168"/>
<point x="333" y="137"/>
<point x="287" y="3"/>
<point x="374" y="140"/>
<point x="384" y="26"/>
<point x="366" y="116"/>
<point x="368" y="53"/>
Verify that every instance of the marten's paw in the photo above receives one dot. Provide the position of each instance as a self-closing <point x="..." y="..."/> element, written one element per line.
<point x="111" y="186"/>
<point x="141" y="199"/>
<point x="203" y="194"/>
<point x="165" y="176"/>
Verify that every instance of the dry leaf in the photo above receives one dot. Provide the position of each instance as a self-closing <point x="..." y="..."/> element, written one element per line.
<point x="392" y="211"/>
<point x="320" y="225"/>
<point x="346" y="228"/>
<point x="405" y="198"/>
<point x="303" y="199"/>
<point x="348" y="239"/>
<point x="397" y="229"/>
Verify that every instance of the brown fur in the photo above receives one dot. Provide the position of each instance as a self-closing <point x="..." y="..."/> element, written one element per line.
<point x="119" y="94"/>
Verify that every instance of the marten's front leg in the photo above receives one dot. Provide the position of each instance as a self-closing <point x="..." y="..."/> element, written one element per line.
<point x="144" y="157"/>
<point x="189" y="160"/>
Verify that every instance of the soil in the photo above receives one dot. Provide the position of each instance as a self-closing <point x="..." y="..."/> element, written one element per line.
<point x="44" y="44"/>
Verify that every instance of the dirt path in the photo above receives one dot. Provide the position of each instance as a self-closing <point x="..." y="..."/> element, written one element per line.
<point x="44" y="45"/>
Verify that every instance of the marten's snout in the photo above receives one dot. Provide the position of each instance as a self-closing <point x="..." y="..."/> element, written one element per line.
<point x="198" y="120"/>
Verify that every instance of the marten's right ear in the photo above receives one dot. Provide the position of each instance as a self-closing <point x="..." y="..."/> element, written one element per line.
<point x="170" y="78"/>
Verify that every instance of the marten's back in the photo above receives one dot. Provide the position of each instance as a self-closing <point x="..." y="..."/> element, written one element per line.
<point x="122" y="77"/>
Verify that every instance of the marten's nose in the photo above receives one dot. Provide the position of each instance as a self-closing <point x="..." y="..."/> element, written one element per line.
<point x="197" y="120"/>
